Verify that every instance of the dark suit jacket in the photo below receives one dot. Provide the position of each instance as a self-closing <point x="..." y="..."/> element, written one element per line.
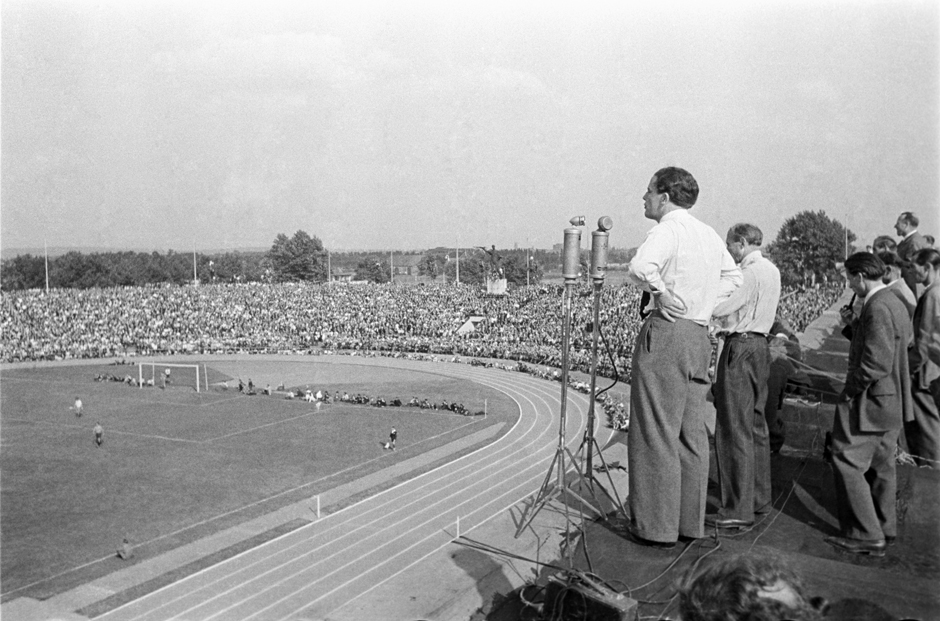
<point x="878" y="379"/>
<point x="907" y="249"/>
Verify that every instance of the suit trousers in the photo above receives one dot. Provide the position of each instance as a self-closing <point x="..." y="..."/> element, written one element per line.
<point x="667" y="443"/>
<point x="923" y="434"/>
<point x="742" y="445"/>
<point x="780" y="371"/>
<point x="865" y="477"/>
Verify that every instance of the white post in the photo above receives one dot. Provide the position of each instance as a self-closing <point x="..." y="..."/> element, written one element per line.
<point x="195" y="277"/>
<point x="457" y="254"/>
<point x="458" y="527"/>
<point x="391" y="267"/>
<point x="318" y="506"/>
<point x="46" y="245"/>
<point x="329" y="269"/>
<point x="484" y="408"/>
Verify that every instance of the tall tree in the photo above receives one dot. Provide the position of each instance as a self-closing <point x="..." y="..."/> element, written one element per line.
<point x="373" y="270"/>
<point x="808" y="248"/>
<point x="299" y="258"/>
<point x="431" y="265"/>
<point x="23" y="272"/>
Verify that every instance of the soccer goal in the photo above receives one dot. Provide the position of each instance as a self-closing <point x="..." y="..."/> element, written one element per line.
<point x="166" y="374"/>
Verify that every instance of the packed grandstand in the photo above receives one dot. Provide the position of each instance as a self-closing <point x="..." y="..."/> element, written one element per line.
<point x="299" y="318"/>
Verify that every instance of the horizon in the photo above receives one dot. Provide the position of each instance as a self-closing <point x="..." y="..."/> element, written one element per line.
<point x="389" y="126"/>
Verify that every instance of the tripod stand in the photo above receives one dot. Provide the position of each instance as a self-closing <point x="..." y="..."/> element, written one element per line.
<point x="563" y="459"/>
<point x="589" y="441"/>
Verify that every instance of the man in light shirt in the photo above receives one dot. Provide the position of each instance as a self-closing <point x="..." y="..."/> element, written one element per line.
<point x="742" y="446"/>
<point x="686" y="267"/>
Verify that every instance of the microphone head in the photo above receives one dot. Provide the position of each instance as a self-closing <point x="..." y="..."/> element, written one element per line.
<point x="605" y="223"/>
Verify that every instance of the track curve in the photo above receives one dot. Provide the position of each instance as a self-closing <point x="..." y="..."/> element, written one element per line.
<point x="328" y="564"/>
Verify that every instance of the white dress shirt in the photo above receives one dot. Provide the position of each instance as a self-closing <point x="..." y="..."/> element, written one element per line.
<point x="688" y="258"/>
<point x="752" y="307"/>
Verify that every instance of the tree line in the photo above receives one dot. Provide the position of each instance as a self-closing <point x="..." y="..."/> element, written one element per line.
<point x="808" y="248"/>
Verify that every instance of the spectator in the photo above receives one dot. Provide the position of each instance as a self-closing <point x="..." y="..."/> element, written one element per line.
<point x="911" y="242"/>
<point x="923" y="433"/>
<point x="746" y="588"/>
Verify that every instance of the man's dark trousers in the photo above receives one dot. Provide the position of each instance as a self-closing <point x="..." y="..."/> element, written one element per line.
<point x="667" y="446"/>
<point x="866" y="477"/>
<point x="742" y="446"/>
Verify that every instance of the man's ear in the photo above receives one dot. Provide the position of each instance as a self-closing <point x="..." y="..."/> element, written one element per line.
<point x="668" y="198"/>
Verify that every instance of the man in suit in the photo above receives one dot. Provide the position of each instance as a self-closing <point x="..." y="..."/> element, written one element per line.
<point x="923" y="433"/>
<point x="873" y="404"/>
<point x="686" y="267"/>
<point x="911" y="242"/>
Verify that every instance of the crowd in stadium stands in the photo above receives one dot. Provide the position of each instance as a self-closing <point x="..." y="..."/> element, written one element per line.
<point x="524" y="326"/>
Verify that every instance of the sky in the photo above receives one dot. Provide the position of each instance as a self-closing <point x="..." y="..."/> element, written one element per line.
<point x="398" y="126"/>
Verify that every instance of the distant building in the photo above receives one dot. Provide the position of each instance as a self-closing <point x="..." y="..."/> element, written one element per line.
<point x="406" y="264"/>
<point x="343" y="275"/>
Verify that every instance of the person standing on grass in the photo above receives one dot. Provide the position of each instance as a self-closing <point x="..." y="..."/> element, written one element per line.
<point x="392" y="436"/>
<point x="99" y="434"/>
<point x="78" y="407"/>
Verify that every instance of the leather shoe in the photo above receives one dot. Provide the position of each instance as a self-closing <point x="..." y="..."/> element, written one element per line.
<point x="635" y="538"/>
<point x="714" y="520"/>
<point x="874" y="547"/>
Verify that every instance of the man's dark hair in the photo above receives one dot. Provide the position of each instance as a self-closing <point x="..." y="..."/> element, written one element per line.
<point x="910" y="218"/>
<point x="884" y="242"/>
<point x="678" y="184"/>
<point x="865" y="263"/>
<point x="747" y="233"/>
<point x="891" y="259"/>
<point x="740" y="588"/>
<point x="927" y="256"/>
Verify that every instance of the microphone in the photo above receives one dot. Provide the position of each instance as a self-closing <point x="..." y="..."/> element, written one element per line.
<point x="572" y="254"/>
<point x="599" y="245"/>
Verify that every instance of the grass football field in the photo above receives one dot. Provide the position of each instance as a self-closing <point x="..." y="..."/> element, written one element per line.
<point x="177" y="465"/>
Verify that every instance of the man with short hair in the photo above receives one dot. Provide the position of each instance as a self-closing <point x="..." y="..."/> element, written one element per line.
<point x="684" y="264"/>
<point x="868" y="418"/>
<point x="911" y="242"/>
<point x="894" y="270"/>
<point x="923" y="433"/>
<point x="742" y="447"/>
<point x="751" y="586"/>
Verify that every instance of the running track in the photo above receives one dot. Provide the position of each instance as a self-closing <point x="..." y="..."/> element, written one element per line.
<point x="316" y="570"/>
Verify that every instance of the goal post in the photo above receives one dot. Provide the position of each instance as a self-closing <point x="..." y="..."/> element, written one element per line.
<point x="173" y="374"/>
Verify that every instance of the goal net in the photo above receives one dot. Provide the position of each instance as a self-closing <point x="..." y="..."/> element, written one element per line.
<point x="172" y="375"/>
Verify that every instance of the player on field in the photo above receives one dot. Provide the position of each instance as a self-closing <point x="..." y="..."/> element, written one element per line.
<point x="78" y="407"/>
<point x="99" y="434"/>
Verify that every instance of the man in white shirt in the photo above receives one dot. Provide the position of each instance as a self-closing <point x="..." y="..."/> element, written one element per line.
<point x="686" y="267"/>
<point x="742" y="446"/>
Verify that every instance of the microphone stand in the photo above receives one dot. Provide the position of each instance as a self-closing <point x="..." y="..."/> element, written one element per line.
<point x="599" y="245"/>
<point x="559" y="466"/>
